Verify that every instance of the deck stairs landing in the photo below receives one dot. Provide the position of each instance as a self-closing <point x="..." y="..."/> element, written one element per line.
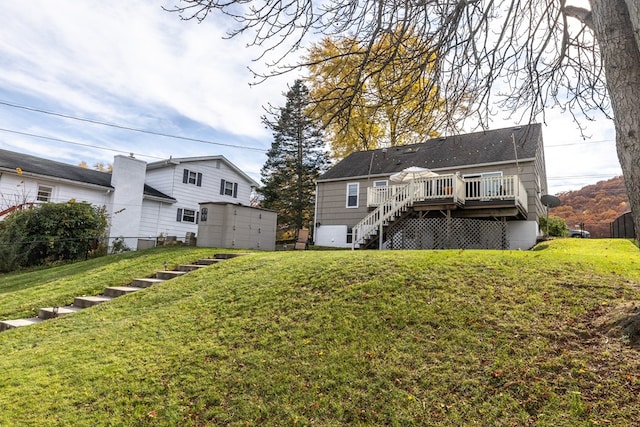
<point x="82" y="302"/>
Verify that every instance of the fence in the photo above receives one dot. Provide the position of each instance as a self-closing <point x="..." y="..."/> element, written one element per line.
<point x="623" y="227"/>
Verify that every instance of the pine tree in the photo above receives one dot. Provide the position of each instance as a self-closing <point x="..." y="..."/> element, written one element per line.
<point x="296" y="158"/>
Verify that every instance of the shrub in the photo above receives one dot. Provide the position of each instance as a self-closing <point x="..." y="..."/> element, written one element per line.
<point x="50" y="232"/>
<point x="557" y="226"/>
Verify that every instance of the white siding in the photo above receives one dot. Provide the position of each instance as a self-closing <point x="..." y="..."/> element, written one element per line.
<point x="18" y="189"/>
<point x="155" y="217"/>
<point x="161" y="218"/>
<point x="161" y="179"/>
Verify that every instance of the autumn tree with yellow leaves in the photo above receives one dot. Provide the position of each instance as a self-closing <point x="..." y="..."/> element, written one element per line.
<point x="395" y="102"/>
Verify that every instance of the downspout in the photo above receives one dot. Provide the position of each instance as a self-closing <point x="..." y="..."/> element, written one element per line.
<point x="515" y="153"/>
<point x="315" y="216"/>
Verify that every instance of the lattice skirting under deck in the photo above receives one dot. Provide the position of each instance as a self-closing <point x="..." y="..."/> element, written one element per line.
<point x="443" y="233"/>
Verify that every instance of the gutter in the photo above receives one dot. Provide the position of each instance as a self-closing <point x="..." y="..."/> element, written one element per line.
<point x="63" y="180"/>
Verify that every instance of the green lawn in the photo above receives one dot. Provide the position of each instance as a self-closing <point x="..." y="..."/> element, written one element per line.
<point x="335" y="338"/>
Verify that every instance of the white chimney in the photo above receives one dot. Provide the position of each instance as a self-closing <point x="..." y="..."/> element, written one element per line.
<point x="125" y="212"/>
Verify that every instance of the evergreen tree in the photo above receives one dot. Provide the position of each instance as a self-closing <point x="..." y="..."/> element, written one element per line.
<point x="296" y="158"/>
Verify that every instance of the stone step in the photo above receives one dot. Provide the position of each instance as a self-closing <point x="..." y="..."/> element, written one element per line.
<point x="190" y="267"/>
<point x="117" y="291"/>
<point x="145" y="282"/>
<point x="84" y="302"/>
<point x="209" y="261"/>
<point x="168" y="275"/>
<point x="228" y="256"/>
<point x="53" y="312"/>
<point x="10" y="324"/>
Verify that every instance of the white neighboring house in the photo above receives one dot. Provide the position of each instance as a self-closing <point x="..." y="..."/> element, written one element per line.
<point x="142" y="200"/>
<point x="190" y="181"/>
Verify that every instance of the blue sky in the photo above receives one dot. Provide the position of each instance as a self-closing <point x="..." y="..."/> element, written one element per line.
<point x="133" y="64"/>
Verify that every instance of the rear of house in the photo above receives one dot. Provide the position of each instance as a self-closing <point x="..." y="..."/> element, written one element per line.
<point x="484" y="192"/>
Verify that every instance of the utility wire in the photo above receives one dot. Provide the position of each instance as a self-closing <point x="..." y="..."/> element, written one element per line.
<point x="579" y="143"/>
<point x="76" y="143"/>
<point x="129" y="128"/>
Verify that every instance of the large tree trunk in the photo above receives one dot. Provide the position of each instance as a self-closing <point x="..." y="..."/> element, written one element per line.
<point x="614" y="26"/>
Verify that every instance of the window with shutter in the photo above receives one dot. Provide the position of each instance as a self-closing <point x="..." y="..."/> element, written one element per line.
<point x="191" y="177"/>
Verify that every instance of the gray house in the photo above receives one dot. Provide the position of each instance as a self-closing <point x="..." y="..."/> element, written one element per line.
<point x="477" y="190"/>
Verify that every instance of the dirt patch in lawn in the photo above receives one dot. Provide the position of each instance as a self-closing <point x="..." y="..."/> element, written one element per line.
<point x="620" y="321"/>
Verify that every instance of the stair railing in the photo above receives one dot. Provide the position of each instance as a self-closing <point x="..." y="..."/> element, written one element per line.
<point x="387" y="210"/>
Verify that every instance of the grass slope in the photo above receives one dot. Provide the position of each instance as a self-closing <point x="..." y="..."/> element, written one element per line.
<point x="345" y="338"/>
<point x="23" y="293"/>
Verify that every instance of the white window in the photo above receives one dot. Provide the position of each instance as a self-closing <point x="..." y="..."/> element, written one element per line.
<point x="44" y="193"/>
<point x="381" y="183"/>
<point x="353" y="189"/>
<point x="349" y="234"/>
<point x="186" y="215"/>
<point x="191" y="177"/>
<point x="228" y="188"/>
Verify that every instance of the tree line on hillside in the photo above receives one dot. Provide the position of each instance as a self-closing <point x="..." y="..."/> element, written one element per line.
<point x="594" y="207"/>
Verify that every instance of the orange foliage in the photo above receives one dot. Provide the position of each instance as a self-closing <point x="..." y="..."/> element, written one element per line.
<point x="595" y="206"/>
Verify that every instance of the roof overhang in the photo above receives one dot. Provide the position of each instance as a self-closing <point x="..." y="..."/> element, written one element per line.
<point x="57" y="179"/>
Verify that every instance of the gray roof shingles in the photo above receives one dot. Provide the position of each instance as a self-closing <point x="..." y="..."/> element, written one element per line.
<point x="10" y="160"/>
<point x="492" y="146"/>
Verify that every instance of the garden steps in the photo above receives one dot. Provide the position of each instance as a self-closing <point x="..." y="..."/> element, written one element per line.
<point x="190" y="267"/>
<point x="118" y="291"/>
<point x="82" y="302"/>
<point x="146" y="282"/>
<point x="90" y="301"/>
<point x="10" y="324"/>
<point x="53" y="312"/>
<point x="209" y="261"/>
<point x="169" y="274"/>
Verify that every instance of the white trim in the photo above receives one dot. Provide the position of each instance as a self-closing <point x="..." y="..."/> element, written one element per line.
<point x="349" y="184"/>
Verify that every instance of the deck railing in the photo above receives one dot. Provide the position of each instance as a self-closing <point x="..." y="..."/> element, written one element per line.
<point x="459" y="189"/>
<point x="431" y="188"/>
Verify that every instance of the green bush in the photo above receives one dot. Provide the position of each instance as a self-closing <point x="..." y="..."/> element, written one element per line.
<point x="49" y="233"/>
<point x="557" y="226"/>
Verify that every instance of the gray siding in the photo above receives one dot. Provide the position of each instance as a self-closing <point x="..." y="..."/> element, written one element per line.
<point x="234" y="226"/>
<point x="331" y="201"/>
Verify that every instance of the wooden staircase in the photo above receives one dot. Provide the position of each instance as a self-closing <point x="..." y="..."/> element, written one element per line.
<point x="82" y="302"/>
<point x="372" y="226"/>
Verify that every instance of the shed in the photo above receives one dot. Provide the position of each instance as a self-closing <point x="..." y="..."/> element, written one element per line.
<point x="230" y="225"/>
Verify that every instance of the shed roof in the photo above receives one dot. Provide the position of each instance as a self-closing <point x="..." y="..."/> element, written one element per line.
<point x="492" y="146"/>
